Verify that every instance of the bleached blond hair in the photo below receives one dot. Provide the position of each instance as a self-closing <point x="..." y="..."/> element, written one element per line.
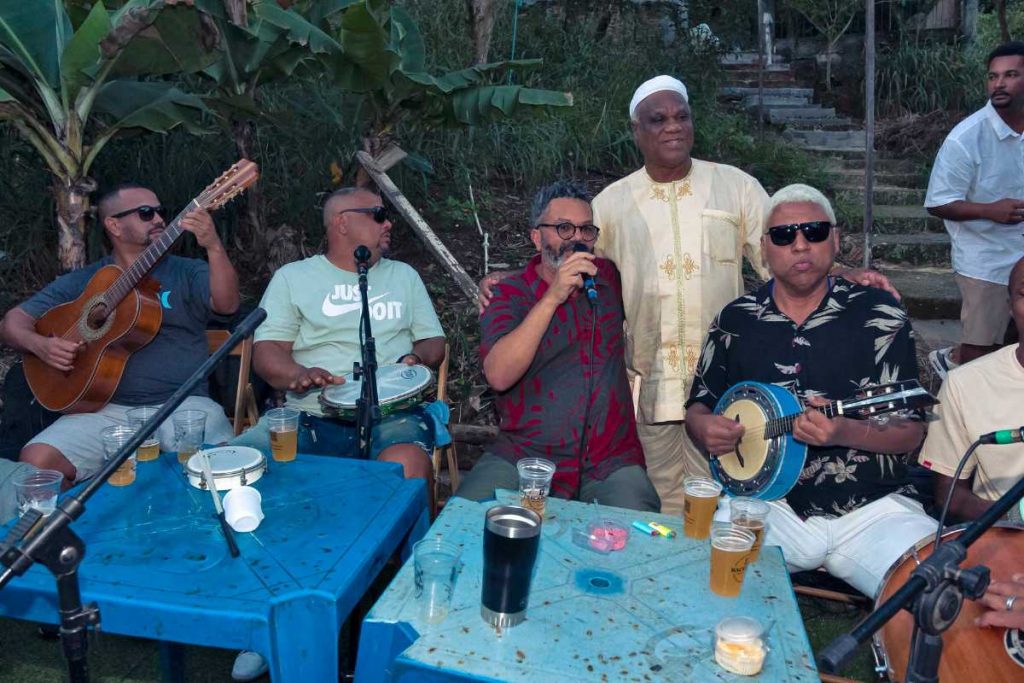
<point x="795" y="193"/>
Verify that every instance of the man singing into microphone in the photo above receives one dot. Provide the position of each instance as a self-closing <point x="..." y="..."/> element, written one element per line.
<point x="983" y="396"/>
<point x="555" y="359"/>
<point x="311" y="335"/>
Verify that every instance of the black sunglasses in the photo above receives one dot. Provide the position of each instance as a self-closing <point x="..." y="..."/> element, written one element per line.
<point x="146" y="212"/>
<point x="813" y="231"/>
<point x="379" y="213"/>
<point x="567" y="230"/>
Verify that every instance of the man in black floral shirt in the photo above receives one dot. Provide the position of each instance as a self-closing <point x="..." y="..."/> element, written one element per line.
<point x="822" y="338"/>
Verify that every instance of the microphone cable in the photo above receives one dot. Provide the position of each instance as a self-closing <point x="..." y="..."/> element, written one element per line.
<point x="590" y="392"/>
<point x="949" y="494"/>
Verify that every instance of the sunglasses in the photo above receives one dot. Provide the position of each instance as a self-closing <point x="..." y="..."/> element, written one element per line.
<point x="379" y="213"/>
<point x="567" y="230"/>
<point x="146" y="212"/>
<point x="813" y="231"/>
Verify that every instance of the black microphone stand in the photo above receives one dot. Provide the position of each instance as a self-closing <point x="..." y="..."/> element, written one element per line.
<point x="934" y="594"/>
<point x="368" y="404"/>
<point x="52" y="543"/>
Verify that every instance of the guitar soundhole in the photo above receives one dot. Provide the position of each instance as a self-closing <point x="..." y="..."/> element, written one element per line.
<point x="97" y="319"/>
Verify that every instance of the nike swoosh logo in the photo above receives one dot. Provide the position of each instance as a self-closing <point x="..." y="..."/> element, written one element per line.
<point x="333" y="310"/>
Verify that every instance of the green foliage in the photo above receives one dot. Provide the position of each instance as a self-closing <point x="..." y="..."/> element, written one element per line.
<point x="920" y="77"/>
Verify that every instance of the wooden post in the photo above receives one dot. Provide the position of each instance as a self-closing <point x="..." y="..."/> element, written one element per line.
<point x="869" y="127"/>
<point x="415" y="220"/>
<point x="760" y="69"/>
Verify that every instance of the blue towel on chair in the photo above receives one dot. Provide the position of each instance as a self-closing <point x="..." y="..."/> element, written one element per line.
<point x="439" y="414"/>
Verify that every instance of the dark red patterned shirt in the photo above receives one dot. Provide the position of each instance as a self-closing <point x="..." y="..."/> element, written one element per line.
<point x="542" y="415"/>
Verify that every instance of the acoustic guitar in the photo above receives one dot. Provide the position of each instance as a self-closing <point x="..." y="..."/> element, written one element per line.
<point x="117" y="314"/>
<point x="768" y="461"/>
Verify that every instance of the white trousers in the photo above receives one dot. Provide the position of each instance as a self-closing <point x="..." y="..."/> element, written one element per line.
<point x="858" y="547"/>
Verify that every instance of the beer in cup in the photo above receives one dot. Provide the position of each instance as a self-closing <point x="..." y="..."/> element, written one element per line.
<point x="284" y="433"/>
<point x="150" y="448"/>
<point x="534" y="483"/>
<point x="189" y="432"/>
<point x="699" y="504"/>
<point x="114" y="438"/>
<point x="750" y="513"/>
<point x="730" y="549"/>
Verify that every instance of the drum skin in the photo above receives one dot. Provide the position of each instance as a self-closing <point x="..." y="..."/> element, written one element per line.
<point x="969" y="653"/>
<point x="399" y="386"/>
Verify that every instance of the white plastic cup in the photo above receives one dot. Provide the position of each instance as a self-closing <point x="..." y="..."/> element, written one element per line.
<point x="243" y="509"/>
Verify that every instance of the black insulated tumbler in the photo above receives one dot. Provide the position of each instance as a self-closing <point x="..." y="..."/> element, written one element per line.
<point x="511" y="539"/>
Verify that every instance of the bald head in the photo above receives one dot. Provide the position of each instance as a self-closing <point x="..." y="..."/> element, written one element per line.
<point x="347" y="198"/>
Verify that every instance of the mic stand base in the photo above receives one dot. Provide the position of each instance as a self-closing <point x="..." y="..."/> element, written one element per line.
<point x="62" y="558"/>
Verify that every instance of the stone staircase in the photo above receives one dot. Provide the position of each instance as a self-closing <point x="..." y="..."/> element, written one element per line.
<point x="907" y="244"/>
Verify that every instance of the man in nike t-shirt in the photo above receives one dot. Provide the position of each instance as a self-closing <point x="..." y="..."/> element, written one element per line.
<point x="311" y="335"/>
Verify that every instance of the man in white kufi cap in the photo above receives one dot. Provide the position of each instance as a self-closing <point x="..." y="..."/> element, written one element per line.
<point x="678" y="230"/>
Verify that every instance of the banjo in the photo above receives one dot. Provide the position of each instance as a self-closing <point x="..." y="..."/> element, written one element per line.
<point x="768" y="461"/>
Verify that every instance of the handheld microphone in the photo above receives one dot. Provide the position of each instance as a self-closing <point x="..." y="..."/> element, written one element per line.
<point x="1003" y="436"/>
<point x="362" y="256"/>
<point x="588" y="280"/>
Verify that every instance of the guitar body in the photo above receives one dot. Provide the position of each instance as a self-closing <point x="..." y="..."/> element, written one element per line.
<point x="108" y="344"/>
<point x="770" y="467"/>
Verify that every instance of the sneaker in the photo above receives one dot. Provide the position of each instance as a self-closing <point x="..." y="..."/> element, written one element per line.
<point x="248" y="666"/>
<point x="941" y="361"/>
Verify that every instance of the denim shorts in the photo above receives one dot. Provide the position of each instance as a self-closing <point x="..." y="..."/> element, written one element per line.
<point x="327" y="436"/>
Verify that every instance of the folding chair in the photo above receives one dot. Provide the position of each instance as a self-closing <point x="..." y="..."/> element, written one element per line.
<point x="449" y="450"/>
<point x="246" y="412"/>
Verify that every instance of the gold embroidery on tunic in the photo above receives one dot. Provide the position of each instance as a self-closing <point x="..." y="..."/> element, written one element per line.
<point x="673" y="357"/>
<point x="669" y="266"/>
<point x="691" y="360"/>
<point x="681" y="190"/>
<point x="689" y="266"/>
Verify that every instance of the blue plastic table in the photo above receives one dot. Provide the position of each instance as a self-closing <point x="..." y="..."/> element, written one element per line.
<point x="159" y="568"/>
<point x="642" y="614"/>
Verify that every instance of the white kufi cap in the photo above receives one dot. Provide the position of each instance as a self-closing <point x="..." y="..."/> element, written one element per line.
<point x="656" y="84"/>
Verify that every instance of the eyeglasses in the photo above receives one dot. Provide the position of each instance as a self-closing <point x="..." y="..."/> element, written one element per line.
<point x="813" y="231"/>
<point x="379" y="213"/>
<point x="567" y="230"/>
<point x="146" y="212"/>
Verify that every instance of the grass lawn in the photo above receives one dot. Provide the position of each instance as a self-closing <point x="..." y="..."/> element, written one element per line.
<point x="27" y="658"/>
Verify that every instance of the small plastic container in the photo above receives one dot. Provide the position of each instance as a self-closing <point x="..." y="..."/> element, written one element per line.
<point x="739" y="645"/>
<point x="603" y="536"/>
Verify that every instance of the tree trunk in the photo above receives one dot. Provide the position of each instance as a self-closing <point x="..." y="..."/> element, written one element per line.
<point x="72" y="202"/>
<point x="1004" y="27"/>
<point x="251" y="231"/>
<point x="482" y="14"/>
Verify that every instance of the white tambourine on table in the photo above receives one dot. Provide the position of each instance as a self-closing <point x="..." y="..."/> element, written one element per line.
<point x="232" y="467"/>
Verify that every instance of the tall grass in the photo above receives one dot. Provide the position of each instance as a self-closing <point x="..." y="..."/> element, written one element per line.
<point x="920" y="77"/>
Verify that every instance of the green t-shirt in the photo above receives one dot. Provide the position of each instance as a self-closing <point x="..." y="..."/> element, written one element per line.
<point x="316" y="306"/>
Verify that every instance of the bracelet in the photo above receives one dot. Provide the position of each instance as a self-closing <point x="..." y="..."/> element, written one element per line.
<point x="401" y="359"/>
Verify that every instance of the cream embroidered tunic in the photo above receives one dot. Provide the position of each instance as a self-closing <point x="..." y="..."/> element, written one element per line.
<point x="679" y="247"/>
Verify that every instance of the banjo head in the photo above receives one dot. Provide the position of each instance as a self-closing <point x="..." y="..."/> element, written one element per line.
<point x="762" y="466"/>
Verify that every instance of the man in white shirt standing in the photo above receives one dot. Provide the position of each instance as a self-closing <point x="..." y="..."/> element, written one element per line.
<point x="977" y="188"/>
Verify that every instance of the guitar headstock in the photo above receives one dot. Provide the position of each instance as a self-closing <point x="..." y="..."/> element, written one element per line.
<point x="229" y="185"/>
<point x="887" y="398"/>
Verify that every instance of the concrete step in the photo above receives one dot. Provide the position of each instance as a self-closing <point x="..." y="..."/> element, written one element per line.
<point x="917" y="249"/>
<point x="745" y="91"/>
<point x="824" y="123"/>
<point x="905" y="219"/>
<point x="812" y="111"/>
<point x="772" y="79"/>
<point x="854" y="177"/>
<point x="751" y="66"/>
<point x="884" y="194"/>
<point x="846" y="140"/>
<point x="748" y="58"/>
<point x="928" y="293"/>
<point x="882" y="163"/>
<point x="777" y="102"/>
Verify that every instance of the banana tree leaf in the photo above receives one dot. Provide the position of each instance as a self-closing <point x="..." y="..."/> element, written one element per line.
<point x="153" y="39"/>
<point x="34" y="35"/>
<point x="83" y="52"/>
<point x="367" y="58"/>
<point x="473" y="105"/>
<point x="6" y="96"/>
<point x="156" y="107"/>
<point x="321" y="11"/>
<point x="407" y="41"/>
<point x="300" y="30"/>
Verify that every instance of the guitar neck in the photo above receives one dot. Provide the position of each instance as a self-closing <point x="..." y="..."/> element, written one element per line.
<point x="127" y="281"/>
<point x="784" y="425"/>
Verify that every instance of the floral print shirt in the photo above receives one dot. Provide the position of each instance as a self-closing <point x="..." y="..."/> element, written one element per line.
<point x="857" y="337"/>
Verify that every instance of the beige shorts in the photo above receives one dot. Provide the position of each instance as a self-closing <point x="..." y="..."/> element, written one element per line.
<point x="670" y="457"/>
<point x="984" y="311"/>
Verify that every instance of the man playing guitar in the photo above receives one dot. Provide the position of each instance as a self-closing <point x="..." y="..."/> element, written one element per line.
<point x="820" y="337"/>
<point x="190" y="289"/>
